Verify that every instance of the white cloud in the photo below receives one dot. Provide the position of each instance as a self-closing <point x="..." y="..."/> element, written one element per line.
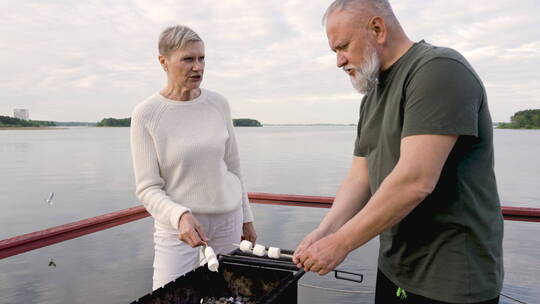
<point x="270" y="58"/>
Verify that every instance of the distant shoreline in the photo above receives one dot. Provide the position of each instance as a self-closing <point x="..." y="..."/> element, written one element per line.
<point x="311" y="125"/>
<point x="30" y="128"/>
<point x="265" y="125"/>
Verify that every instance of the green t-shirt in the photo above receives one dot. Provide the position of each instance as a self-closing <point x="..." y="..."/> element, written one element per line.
<point x="449" y="248"/>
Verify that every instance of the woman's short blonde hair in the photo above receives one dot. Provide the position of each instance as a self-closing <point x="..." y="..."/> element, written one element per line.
<point x="175" y="37"/>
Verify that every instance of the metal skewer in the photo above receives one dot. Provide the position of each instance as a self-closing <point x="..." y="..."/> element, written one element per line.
<point x="336" y="271"/>
<point x="281" y="255"/>
<point x="285" y="255"/>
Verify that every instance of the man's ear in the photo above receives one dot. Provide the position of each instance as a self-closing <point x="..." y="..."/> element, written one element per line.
<point x="377" y="27"/>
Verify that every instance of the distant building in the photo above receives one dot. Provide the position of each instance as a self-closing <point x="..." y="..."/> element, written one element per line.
<point x="23" y="114"/>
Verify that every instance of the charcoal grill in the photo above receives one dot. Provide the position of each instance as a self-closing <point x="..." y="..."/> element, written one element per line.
<point x="259" y="278"/>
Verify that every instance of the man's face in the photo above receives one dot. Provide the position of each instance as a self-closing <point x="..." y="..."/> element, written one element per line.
<point x="355" y="50"/>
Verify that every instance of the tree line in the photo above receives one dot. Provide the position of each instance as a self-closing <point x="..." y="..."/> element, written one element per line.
<point x="246" y="122"/>
<point x="113" y="122"/>
<point x="7" y="121"/>
<point x="527" y="119"/>
<point x="126" y="122"/>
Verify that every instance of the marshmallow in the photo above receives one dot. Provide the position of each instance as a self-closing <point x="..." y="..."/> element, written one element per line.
<point x="274" y="253"/>
<point x="209" y="252"/>
<point x="210" y="256"/>
<point x="213" y="264"/>
<point x="259" y="250"/>
<point x="246" y="246"/>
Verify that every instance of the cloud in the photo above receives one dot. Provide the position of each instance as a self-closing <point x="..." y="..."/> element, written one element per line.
<point x="270" y="58"/>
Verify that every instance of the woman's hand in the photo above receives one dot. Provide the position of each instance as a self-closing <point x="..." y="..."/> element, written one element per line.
<point x="190" y="231"/>
<point x="248" y="232"/>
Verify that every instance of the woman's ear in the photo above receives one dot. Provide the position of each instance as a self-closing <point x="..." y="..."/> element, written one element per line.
<point x="163" y="61"/>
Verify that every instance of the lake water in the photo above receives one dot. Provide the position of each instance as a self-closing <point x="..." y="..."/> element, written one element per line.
<point x="89" y="170"/>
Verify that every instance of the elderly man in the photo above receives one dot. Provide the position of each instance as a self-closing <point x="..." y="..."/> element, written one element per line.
<point x="422" y="173"/>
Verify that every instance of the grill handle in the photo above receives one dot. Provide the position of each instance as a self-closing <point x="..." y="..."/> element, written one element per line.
<point x="285" y="263"/>
<point x="337" y="276"/>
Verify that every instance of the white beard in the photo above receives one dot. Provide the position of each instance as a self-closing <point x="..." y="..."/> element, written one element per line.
<point x="366" y="75"/>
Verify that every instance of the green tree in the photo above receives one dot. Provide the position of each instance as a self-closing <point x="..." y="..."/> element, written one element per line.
<point x="6" y="121"/>
<point x="246" y="122"/>
<point x="126" y="122"/>
<point x="526" y="119"/>
<point x="113" y="122"/>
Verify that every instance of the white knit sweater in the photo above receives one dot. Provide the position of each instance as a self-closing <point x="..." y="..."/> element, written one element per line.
<point x="186" y="158"/>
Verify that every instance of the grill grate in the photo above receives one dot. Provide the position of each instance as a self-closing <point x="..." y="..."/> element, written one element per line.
<point x="247" y="279"/>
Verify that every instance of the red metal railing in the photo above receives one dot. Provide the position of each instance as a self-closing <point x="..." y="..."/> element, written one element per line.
<point x="39" y="239"/>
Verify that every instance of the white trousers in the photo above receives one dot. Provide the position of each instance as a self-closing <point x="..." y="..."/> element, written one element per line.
<point x="173" y="258"/>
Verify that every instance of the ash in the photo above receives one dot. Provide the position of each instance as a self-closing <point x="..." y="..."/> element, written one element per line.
<point x="230" y="300"/>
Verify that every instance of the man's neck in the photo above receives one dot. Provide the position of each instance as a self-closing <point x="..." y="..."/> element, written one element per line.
<point x="395" y="52"/>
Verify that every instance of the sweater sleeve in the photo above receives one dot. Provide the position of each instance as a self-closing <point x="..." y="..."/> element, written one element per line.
<point x="149" y="183"/>
<point x="232" y="159"/>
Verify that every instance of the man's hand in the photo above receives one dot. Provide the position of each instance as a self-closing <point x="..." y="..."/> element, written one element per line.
<point x="311" y="238"/>
<point x="190" y="231"/>
<point x="323" y="255"/>
<point x="248" y="232"/>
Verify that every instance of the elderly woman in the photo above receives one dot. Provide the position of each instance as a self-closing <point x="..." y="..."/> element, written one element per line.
<point x="186" y="162"/>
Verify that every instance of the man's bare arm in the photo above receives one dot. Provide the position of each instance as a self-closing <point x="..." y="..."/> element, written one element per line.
<point x="412" y="180"/>
<point x="353" y="194"/>
<point x="351" y="197"/>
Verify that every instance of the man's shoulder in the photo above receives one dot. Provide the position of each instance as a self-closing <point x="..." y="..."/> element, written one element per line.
<point x="428" y="53"/>
<point x="436" y="60"/>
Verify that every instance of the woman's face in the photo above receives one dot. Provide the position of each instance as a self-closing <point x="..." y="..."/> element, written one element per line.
<point x="185" y="66"/>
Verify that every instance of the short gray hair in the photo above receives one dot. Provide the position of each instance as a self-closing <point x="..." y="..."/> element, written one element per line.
<point x="380" y="7"/>
<point x="175" y="37"/>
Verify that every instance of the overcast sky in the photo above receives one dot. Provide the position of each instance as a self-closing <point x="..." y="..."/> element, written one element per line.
<point x="84" y="60"/>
